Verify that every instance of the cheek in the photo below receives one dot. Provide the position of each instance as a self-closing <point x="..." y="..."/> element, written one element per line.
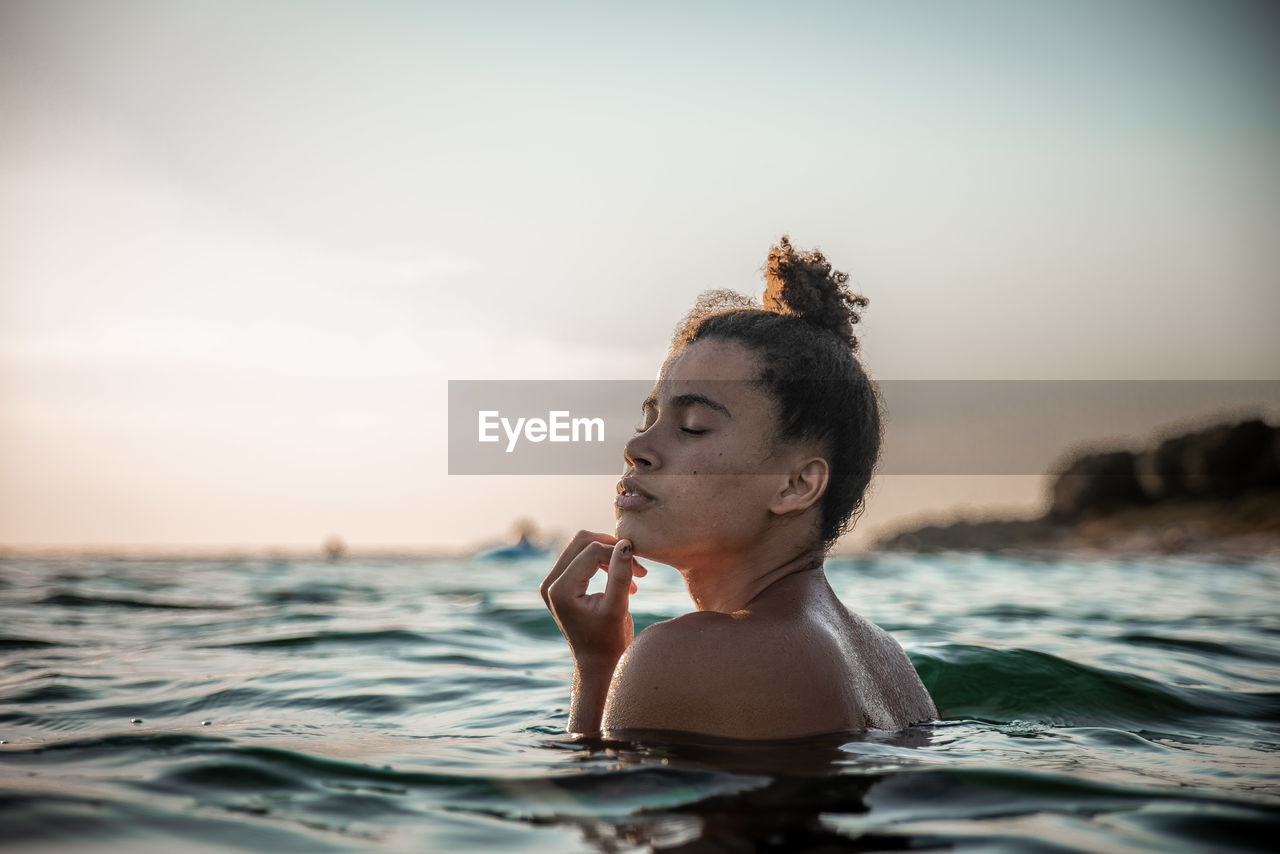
<point x="727" y="497"/>
<point x="716" y="461"/>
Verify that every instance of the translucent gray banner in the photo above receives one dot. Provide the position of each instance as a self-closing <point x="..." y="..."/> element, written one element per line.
<point x="952" y="427"/>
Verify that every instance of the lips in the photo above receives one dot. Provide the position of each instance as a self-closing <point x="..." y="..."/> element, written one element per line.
<point x="631" y="496"/>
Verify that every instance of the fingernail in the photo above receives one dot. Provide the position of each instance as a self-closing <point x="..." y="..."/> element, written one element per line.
<point x="626" y="551"/>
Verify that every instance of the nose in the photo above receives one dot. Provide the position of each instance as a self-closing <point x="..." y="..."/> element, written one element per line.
<point x="639" y="452"/>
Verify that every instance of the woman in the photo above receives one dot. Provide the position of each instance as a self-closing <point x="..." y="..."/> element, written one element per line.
<point x="757" y="446"/>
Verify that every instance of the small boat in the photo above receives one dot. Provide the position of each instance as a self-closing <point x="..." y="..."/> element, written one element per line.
<point x="518" y="551"/>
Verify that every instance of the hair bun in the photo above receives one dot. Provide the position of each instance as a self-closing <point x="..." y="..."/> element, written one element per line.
<point x="803" y="284"/>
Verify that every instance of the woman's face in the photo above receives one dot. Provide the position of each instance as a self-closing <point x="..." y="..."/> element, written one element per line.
<point x="702" y="471"/>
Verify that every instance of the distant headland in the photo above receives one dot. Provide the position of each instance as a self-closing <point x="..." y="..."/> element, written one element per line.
<point x="1210" y="490"/>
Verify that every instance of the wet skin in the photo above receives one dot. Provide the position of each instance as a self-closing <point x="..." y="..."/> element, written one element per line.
<point x="770" y="651"/>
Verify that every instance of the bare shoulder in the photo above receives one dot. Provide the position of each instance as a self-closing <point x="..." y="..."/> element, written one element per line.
<point x="731" y="675"/>
<point x="677" y="656"/>
<point x="893" y="693"/>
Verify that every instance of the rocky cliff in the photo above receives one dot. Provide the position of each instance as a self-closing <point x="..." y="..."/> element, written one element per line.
<point x="1216" y="489"/>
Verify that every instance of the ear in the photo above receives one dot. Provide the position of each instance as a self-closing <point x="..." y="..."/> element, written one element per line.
<point x="804" y="486"/>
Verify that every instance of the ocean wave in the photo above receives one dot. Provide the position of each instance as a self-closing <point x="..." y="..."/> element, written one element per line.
<point x="74" y="600"/>
<point x="334" y="639"/>
<point x="1023" y="684"/>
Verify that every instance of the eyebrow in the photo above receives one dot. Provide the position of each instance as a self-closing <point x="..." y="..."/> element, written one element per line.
<point x="684" y="400"/>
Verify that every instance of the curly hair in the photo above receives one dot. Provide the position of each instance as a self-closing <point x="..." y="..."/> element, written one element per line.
<point x="804" y="337"/>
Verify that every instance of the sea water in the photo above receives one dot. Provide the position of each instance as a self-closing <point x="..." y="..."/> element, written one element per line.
<point x="1087" y="704"/>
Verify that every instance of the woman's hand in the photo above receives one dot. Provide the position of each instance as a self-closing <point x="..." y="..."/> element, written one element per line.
<point x="598" y="626"/>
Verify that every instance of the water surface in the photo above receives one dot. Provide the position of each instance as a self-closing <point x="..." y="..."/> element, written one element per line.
<point x="419" y="705"/>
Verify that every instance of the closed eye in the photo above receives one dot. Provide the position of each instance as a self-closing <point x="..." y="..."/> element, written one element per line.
<point x="691" y="431"/>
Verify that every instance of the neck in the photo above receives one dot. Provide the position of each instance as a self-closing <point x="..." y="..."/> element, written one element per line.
<point x="735" y="584"/>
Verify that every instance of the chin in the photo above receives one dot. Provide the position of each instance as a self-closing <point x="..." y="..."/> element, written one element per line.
<point x="654" y="538"/>
<point x="644" y="543"/>
<point x="648" y="546"/>
<point x="626" y="529"/>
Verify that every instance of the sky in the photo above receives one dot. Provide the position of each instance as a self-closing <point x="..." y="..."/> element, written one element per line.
<point x="245" y="246"/>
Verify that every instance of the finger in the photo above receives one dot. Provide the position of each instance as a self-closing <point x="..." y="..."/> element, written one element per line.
<point x="575" y="579"/>
<point x="638" y="570"/>
<point x="575" y="547"/>
<point x="615" y="596"/>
